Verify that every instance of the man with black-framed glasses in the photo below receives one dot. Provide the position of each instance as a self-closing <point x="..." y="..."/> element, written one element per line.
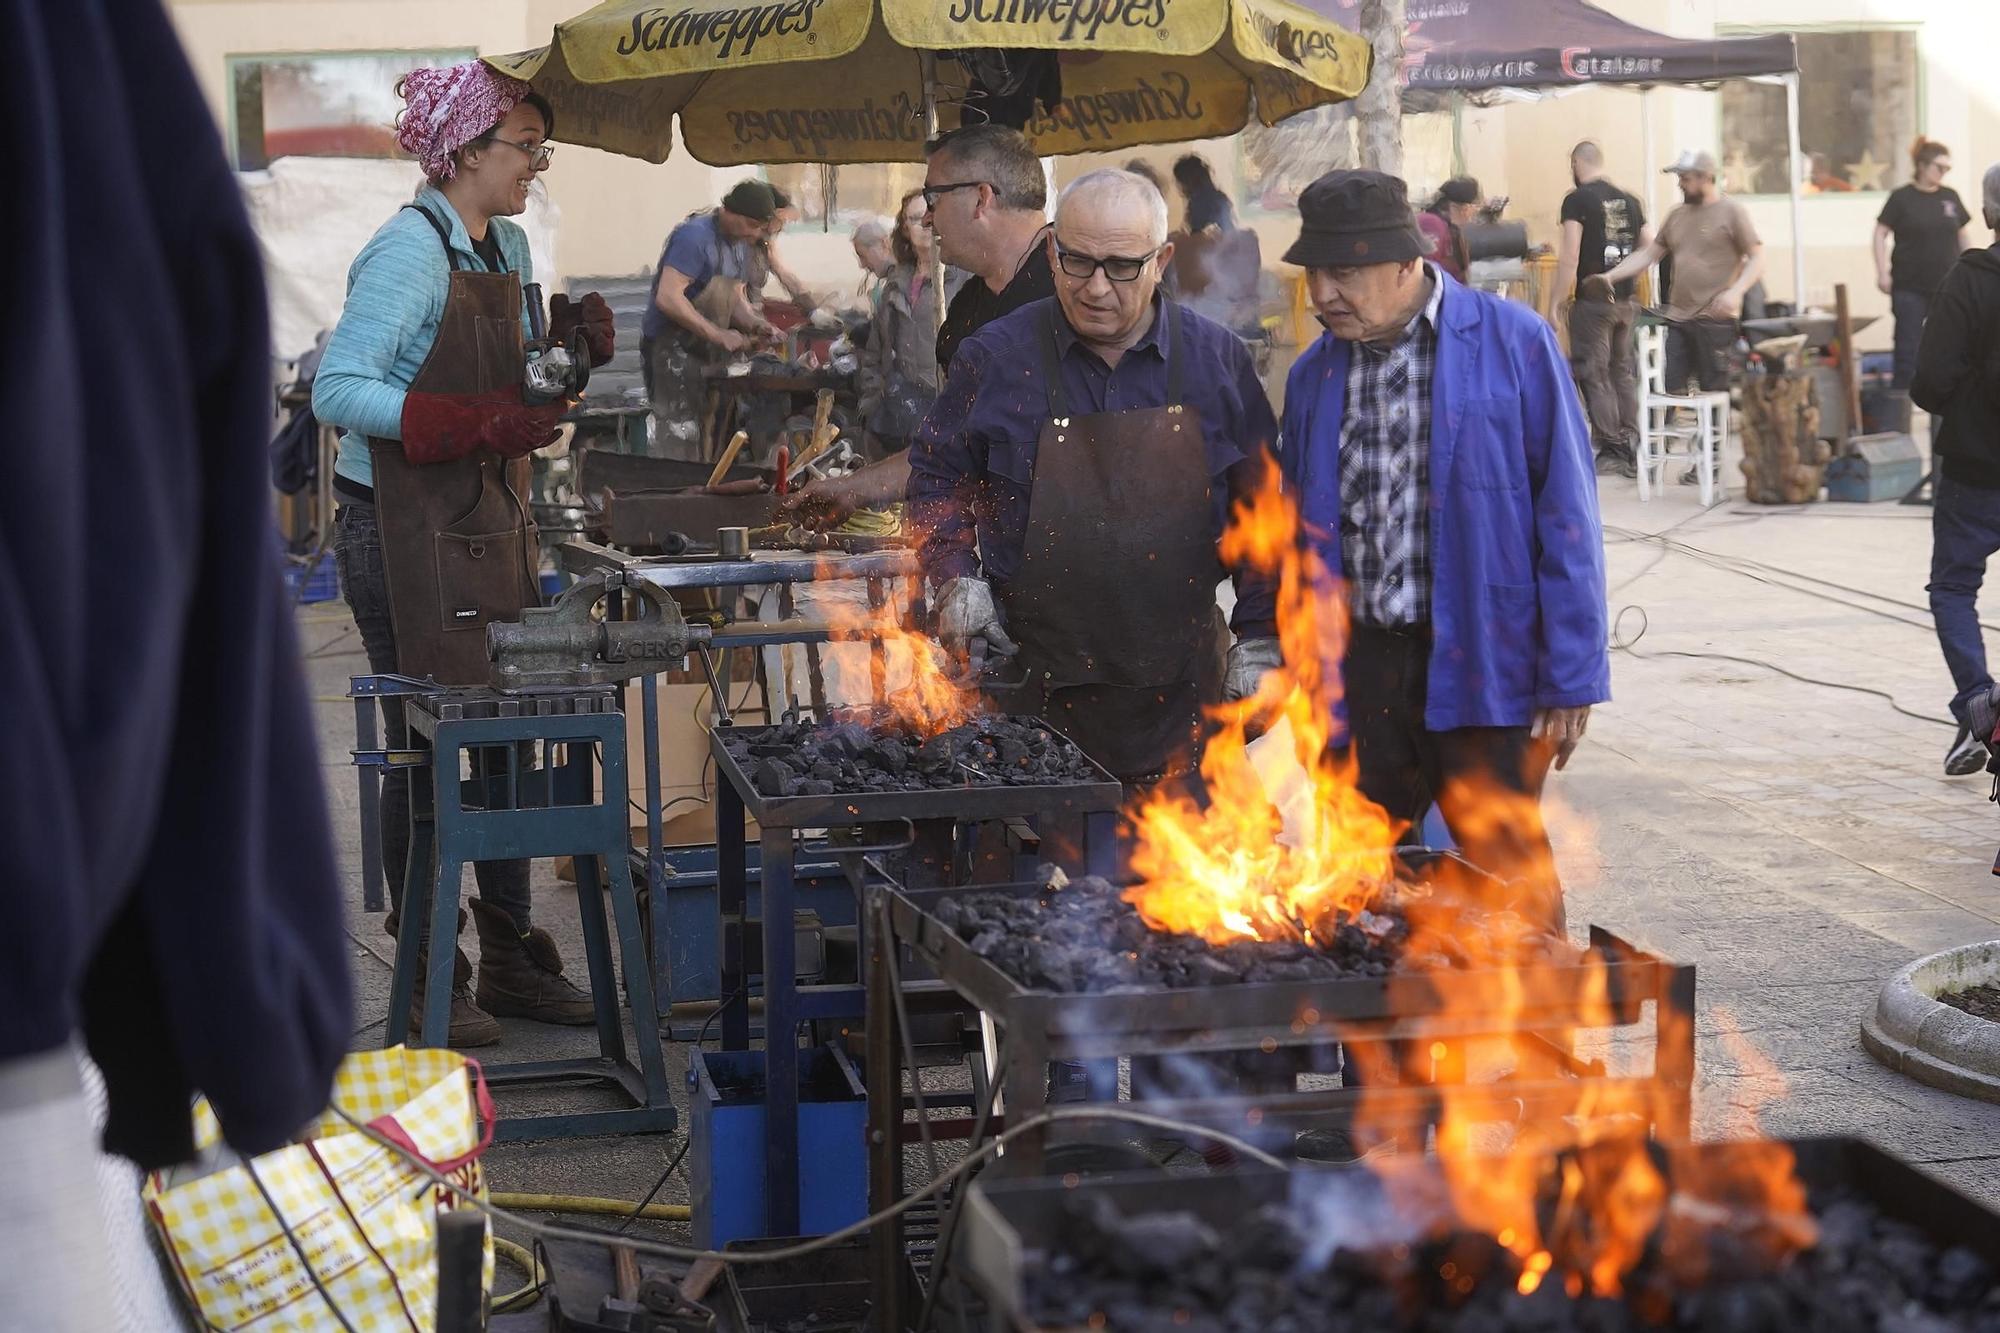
<point x="1069" y="487"/>
<point x="984" y="193"/>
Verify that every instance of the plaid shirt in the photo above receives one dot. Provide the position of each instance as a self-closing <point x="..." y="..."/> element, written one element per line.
<point x="1385" y="465"/>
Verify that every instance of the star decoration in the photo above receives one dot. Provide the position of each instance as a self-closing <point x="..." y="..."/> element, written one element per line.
<point x="1867" y="173"/>
<point x="1740" y="172"/>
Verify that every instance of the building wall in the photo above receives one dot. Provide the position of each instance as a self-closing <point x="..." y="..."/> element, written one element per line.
<point x="615" y="210"/>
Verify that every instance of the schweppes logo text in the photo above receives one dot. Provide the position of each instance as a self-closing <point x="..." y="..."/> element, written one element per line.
<point x="1298" y="45"/>
<point x="1077" y="19"/>
<point x="732" y="31"/>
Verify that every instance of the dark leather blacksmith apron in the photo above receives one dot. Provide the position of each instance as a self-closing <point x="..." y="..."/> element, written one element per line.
<point x="1114" y="601"/>
<point x="459" y="544"/>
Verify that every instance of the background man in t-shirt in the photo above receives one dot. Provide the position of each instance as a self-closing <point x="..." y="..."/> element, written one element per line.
<point x="1601" y="225"/>
<point x="1718" y="257"/>
<point x="698" y="310"/>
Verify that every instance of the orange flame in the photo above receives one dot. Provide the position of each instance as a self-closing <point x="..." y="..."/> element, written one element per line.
<point x="1220" y="871"/>
<point x="873" y="654"/>
<point x="1583" y="1197"/>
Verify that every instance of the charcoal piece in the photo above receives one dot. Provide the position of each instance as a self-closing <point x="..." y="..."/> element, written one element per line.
<point x="1206" y="969"/>
<point x="1960" y="1278"/>
<point x="891" y="756"/>
<point x="812" y="787"/>
<point x="773" y="777"/>
<point x="936" y="753"/>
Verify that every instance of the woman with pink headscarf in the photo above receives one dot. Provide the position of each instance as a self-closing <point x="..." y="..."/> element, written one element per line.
<point x="434" y="537"/>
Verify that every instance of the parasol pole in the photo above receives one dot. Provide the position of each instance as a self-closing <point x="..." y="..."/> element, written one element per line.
<point x="1792" y="172"/>
<point x="927" y="65"/>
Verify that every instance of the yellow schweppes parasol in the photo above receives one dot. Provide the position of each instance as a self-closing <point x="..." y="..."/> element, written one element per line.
<point x="850" y="80"/>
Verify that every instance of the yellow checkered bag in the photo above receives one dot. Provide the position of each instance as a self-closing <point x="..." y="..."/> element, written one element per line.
<point x="360" y="1215"/>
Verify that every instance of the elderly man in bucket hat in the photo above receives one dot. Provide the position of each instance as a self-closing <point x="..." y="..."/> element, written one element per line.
<point x="1443" y="470"/>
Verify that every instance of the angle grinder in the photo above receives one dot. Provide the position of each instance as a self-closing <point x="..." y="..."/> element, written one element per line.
<point x="555" y="369"/>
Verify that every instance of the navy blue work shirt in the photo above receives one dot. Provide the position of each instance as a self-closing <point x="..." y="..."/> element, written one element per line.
<point x="972" y="462"/>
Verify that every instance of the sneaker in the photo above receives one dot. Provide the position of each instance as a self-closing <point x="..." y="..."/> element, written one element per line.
<point x="1966" y="754"/>
<point x="1691" y="477"/>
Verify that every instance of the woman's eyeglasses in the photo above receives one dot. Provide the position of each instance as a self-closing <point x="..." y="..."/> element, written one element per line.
<point x="539" y="154"/>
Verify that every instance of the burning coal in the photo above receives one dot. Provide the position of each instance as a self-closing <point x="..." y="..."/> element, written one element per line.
<point x="1707" y="1262"/>
<point x="1584" y="1203"/>
<point x="878" y="751"/>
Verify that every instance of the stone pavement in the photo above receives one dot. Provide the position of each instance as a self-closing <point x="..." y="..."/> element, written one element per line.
<point x="1797" y="842"/>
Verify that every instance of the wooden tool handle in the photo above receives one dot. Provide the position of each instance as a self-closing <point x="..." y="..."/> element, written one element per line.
<point x="736" y="443"/>
<point x="822" y="413"/>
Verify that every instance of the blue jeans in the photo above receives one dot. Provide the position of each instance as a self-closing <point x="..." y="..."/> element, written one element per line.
<point x="1965" y="530"/>
<point x="1910" y="308"/>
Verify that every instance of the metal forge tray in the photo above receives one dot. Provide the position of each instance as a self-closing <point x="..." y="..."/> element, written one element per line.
<point x="1609" y="974"/>
<point x="970" y="803"/>
<point x="1008" y="1224"/>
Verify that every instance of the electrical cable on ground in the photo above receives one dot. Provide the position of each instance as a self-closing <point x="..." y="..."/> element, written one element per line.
<point x="785" y="1254"/>
<point x="1619" y="643"/>
<point x="525" y="1260"/>
<point x="589" y="1205"/>
<point x="646" y="1205"/>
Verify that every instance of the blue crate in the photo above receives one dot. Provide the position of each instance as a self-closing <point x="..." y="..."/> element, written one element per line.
<point x="322" y="585"/>
<point x="726" y="1145"/>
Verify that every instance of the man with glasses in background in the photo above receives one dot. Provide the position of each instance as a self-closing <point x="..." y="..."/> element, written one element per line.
<point x="1070" y="485"/>
<point x="984" y="196"/>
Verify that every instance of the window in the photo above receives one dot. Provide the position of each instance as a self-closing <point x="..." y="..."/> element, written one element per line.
<point x="854" y="192"/>
<point x="1858" y="95"/>
<point x="341" y="105"/>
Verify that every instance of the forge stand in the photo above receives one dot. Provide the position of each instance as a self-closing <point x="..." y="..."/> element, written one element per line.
<point x="1040" y="1027"/>
<point x="928" y="819"/>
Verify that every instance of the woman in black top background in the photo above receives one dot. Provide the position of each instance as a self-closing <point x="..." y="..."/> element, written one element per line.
<point x="1207" y="205"/>
<point x="1930" y="226"/>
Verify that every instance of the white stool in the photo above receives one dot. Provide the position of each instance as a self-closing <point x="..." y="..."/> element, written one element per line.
<point x="1662" y="435"/>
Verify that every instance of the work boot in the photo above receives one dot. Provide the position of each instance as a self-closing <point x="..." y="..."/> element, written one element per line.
<point x="521" y="973"/>
<point x="1966" y="755"/>
<point x="470" y="1025"/>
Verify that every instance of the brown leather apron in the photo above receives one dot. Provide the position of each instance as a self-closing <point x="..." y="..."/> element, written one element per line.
<point x="1114" y="601"/>
<point x="459" y="545"/>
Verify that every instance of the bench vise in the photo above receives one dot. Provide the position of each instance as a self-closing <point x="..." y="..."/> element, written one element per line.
<point x="570" y="642"/>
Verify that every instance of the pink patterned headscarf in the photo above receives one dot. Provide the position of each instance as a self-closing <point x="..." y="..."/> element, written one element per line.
<point x="447" y="109"/>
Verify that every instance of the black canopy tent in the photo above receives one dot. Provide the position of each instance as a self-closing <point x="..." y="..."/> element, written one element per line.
<point x="1481" y="48"/>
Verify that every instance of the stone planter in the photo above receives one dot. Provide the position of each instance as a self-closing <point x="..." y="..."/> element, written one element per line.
<point x="1915" y="1034"/>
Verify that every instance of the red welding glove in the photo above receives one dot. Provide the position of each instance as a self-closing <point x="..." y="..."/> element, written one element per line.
<point x="593" y="314"/>
<point x="444" y="427"/>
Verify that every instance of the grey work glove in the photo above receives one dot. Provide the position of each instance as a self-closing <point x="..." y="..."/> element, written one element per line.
<point x="968" y="621"/>
<point x="1249" y="659"/>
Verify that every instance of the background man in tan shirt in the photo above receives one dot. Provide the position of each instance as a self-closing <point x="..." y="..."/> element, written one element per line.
<point x="1717" y="258"/>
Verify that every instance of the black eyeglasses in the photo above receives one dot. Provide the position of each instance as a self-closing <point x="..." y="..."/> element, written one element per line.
<point x="1116" y="268"/>
<point x="931" y="192"/>
<point x="539" y="154"/>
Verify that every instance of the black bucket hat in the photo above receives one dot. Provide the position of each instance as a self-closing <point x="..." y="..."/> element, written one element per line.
<point x="1352" y="218"/>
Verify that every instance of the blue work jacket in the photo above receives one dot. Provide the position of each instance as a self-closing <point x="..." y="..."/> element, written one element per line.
<point x="1517" y="554"/>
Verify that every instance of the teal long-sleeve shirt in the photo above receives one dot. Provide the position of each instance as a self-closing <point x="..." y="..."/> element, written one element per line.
<point x="395" y="300"/>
